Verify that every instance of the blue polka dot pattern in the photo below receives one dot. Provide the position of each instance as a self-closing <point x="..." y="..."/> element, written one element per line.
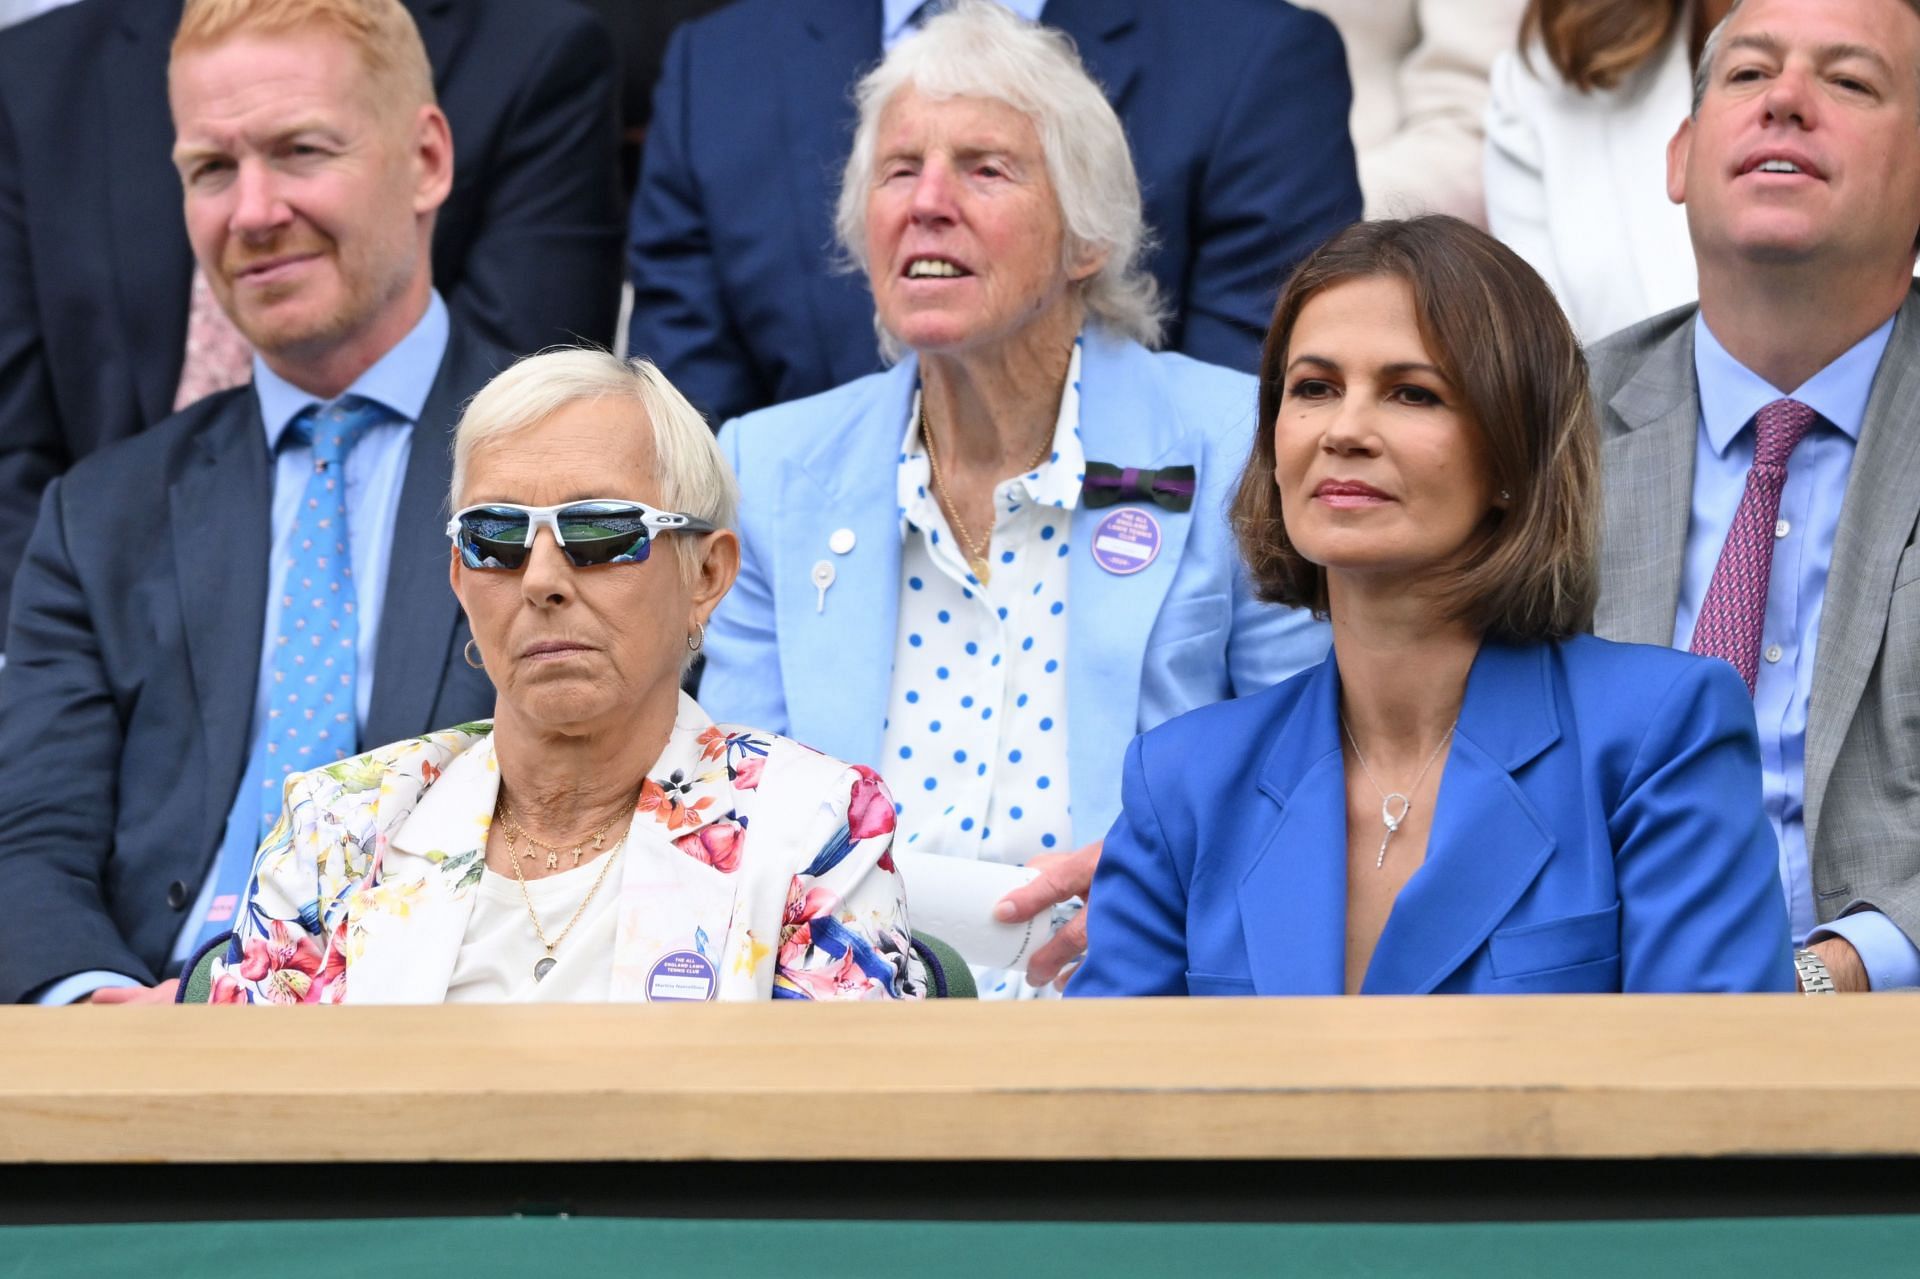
<point x="975" y="662"/>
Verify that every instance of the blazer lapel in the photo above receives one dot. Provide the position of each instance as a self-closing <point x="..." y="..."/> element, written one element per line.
<point x="847" y="480"/>
<point x="1126" y="419"/>
<point x="826" y="51"/>
<point x="1106" y="33"/>
<point x="1876" y="524"/>
<point x="405" y="926"/>
<point x="1648" y="494"/>
<point x="421" y="616"/>
<point x="152" y="261"/>
<point x="1487" y="844"/>
<point x="221" y="536"/>
<point x="682" y="872"/>
<point x="1293" y="900"/>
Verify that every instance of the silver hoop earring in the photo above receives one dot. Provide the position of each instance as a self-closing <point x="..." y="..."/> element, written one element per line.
<point x="698" y="638"/>
<point x="472" y="653"/>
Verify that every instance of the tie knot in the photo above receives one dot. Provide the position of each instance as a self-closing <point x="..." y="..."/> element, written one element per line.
<point x="334" y="430"/>
<point x="1777" y="428"/>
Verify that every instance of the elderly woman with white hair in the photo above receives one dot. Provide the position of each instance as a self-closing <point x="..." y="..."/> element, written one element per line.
<point x="601" y="839"/>
<point x="984" y="570"/>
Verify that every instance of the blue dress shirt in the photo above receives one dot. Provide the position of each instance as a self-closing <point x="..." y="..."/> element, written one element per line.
<point x="400" y="380"/>
<point x="897" y="15"/>
<point x="1730" y="395"/>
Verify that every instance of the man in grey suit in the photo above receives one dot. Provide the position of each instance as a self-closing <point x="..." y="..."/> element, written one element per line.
<point x="194" y="599"/>
<point x="1762" y="456"/>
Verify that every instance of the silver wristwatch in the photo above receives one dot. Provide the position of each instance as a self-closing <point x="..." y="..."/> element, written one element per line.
<point x="1814" y="977"/>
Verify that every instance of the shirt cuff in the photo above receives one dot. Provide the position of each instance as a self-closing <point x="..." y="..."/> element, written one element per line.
<point x="1891" y="960"/>
<point x="72" y="989"/>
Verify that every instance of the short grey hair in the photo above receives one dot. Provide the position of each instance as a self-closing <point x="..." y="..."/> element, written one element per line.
<point x="693" y="475"/>
<point x="978" y="49"/>
<point x="1710" y="51"/>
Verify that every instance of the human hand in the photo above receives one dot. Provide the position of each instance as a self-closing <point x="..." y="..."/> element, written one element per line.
<point x="1062" y="875"/>
<point x="1843" y="965"/>
<point x="161" y="994"/>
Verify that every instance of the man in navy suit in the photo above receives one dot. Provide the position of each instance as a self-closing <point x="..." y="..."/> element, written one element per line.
<point x="151" y="610"/>
<point x="1236" y="111"/>
<point x="95" y="272"/>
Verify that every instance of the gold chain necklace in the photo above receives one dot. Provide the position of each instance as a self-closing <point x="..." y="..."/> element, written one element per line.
<point x="544" y="965"/>
<point x="512" y="828"/>
<point x="974" y="552"/>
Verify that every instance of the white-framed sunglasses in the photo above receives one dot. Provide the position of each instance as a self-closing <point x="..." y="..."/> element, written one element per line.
<point x="590" y="533"/>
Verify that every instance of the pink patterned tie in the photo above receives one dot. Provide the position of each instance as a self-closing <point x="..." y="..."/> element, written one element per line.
<point x="217" y="356"/>
<point x="1732" y="615"/>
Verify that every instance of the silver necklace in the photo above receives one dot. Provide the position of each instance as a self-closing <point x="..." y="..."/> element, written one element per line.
<point x="1394" y="806"/>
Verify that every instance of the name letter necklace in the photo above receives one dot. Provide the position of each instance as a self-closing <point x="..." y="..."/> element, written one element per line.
<point x="1394" y="806"/>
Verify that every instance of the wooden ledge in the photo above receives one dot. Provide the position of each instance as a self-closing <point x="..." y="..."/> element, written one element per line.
<point x="1559" y="1077"/>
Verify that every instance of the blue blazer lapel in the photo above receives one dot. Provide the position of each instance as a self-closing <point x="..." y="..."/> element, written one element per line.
<point x="1105" y="32"/>
<point x="1293" y="900"/>
<point x="847" y="480"/>
<point x="1488" y="843"/>
<point x="222" y="531"/>
<point x="1128" y="419"/>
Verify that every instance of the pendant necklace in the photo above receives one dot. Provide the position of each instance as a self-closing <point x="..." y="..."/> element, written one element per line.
<point x="1394" y="806"/>
<point x="544" y="965"/>
<point x="975" y="553"/>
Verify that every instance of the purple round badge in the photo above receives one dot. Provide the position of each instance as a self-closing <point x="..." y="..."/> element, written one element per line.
<point x="684" y="975"/>
<point x="1126" y="541"/>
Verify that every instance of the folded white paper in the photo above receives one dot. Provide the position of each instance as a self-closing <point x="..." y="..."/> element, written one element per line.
<point x="952" y="898"/>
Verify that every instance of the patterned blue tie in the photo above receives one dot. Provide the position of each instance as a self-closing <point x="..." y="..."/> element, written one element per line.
<point x="311" y="706"/>
<point x="310" y="703"/>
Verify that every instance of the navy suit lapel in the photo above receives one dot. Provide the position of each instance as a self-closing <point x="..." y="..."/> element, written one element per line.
<point x="152" y="261"/>
<point x="420" y="615"/>
<point x="222" y="532"/>
<point x="1293" y="901"/>
<point x="1487" y="844"/>
<point x="827" y="50"/>
<point x="1107" y="34"/>
<point x="849" y="479"/>
<point x="1126" y="420"/>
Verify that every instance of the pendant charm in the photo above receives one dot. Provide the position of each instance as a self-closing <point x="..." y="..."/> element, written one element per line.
<point x="1392" y="816"/>
<point x="553" y="859"/>
<point x="543" y="966"/>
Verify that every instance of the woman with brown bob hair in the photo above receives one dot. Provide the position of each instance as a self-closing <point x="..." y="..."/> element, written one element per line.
<point x="1469" y="794"/>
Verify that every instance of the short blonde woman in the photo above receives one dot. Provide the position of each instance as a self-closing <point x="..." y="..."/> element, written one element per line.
<point x="601" y="839"/>
<point x="986" y="569"/>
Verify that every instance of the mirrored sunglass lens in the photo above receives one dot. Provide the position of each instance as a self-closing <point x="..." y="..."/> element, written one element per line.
<point x="493" y="539"/>
<point x="604" y="533"/>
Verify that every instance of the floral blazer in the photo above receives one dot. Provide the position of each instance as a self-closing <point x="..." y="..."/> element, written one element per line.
<point x="755" y="868"/>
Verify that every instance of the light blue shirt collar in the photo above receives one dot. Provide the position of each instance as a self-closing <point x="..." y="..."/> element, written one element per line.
<point x="895" y="14"/>
<point x="400" y="380"/>
<point x="1731" y="393"/>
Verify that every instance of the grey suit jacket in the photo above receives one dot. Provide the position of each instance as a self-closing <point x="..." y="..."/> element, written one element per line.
<point x="1863" y="720"/>
<point x="132" y="660"/>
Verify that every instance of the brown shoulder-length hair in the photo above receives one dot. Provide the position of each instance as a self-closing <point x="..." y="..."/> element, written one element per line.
<point x="1595" y="44"/>
<point x="1493" y="328"/>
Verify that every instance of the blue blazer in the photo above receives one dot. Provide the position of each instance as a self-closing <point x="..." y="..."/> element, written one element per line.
<point x="1598" y="829"/>
<point x="1140" y="649"/>
<point x="1236" y="111"/>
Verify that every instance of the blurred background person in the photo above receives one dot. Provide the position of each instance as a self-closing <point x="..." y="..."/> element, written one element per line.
<point x="1577" y="134"/>
<point x="1419" y="70"/>
<point x="985" y="569"/>
<point x="281" y="535"/>
<point x="1236" y="111"/>
<point x="1470" y="795"/>
<point x="105" y="325"/>
<point x="602" y="839"/>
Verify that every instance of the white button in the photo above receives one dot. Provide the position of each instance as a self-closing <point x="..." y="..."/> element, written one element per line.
<point x="1781" y="528"/>
<point x="1774" y="653"/>
<point x="841" y="542"/>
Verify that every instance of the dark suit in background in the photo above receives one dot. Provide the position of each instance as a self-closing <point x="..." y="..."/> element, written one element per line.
<point x="95" y="268"/>
<point x="132" y="662"/>
<point x="1236" y="111"/>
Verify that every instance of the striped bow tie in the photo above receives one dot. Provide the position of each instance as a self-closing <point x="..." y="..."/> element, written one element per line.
<point x="1170" y="487"/>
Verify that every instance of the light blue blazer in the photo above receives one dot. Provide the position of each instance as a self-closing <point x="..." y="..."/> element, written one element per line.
<point x="1598" y="828"/>
<point x="1184" y="632"/>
